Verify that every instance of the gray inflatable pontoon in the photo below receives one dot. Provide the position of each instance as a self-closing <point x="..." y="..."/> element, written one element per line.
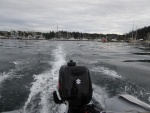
<point x="126" y="103"/>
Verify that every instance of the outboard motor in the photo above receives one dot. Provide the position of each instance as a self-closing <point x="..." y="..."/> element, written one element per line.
<point x="74" y="86"/>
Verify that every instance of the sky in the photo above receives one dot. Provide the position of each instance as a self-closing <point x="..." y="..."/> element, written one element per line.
<point x="88" y="16"/>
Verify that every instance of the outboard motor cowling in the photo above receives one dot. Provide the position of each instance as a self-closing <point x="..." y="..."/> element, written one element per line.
<point x="74" y="84"/>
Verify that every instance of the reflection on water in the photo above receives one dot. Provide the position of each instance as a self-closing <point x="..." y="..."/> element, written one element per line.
<point x="144" y="53"/>
<point x="148" y="61"/>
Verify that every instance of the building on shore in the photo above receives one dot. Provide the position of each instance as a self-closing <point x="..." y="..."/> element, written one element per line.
<point x="13" y="34"/>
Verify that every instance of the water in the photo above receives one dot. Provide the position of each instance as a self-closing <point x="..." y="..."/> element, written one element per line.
<point x="29" y="72"/>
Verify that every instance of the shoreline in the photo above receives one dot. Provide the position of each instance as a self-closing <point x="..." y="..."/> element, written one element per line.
<point x="145" y="43"/>
<point x="44" y="39"/>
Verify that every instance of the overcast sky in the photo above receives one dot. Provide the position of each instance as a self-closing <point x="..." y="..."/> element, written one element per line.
<point x="94" y="16"/>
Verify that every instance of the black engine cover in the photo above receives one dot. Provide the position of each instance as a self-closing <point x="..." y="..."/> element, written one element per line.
<point x="75" y="85"/>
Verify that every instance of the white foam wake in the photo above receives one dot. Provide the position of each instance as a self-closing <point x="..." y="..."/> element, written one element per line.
<point x="106" y="71"/>
<point x="99" y="95"/>
<point x="40" y="98"/>
<point x="19" y="65"/>
<point x="8" y="75"/>
<point x="3" y="76"/>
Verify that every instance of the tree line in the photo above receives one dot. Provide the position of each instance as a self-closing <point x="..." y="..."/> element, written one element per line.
<point x="141" y="33"/>
<point x="60" y="34"/>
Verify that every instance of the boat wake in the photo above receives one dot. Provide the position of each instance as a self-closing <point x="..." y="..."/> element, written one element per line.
<point x="106" y="71"/>
<point x="40" y="99"/>
<point x="99" y="96"/>
<point x="4" y="76"/>
<point x="12" y="73"/>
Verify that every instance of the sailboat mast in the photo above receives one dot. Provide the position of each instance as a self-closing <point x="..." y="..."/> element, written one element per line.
<point x="132" y="31"/>
<point x="57" y="31"/>
<point x="136" y="33"/>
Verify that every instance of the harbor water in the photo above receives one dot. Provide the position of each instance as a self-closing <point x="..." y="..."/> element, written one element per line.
<point x="29" y="72"/>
